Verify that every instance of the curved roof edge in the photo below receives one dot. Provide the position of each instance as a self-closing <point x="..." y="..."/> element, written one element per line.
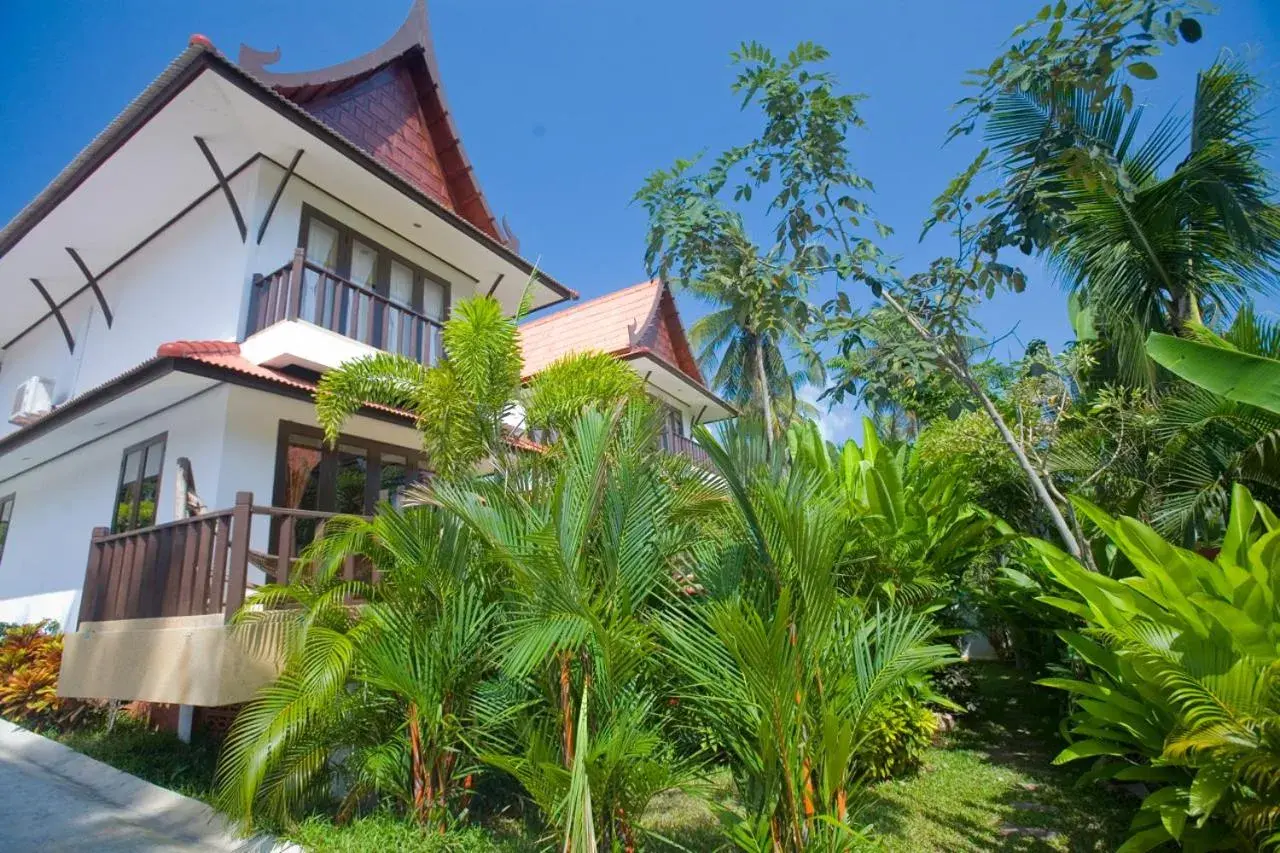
<point x="414" y="35"/>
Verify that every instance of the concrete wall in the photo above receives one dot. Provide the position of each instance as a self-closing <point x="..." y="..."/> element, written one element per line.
<point x="58" y="503"/>
<point x="184" y="660"/>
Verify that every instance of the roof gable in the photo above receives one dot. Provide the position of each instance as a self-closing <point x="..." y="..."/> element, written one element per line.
<point x="640" y="318"/>
<point x="390" y="103"/>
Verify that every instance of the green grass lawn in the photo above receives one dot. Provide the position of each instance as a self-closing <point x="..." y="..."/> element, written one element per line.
<point x="988" y="786"/>
<point x="993" y="775"/>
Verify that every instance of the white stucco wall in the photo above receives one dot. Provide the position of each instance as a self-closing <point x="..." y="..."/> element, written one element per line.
<point x="57" y="505"/>
<point x="230" y="435"/>
<point x="188" y="283"/>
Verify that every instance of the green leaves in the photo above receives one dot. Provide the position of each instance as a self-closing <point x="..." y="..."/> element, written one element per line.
<point x="1142" y="70"/>
<point x="1183" y="663"/>
<point x="1221" y="369"/>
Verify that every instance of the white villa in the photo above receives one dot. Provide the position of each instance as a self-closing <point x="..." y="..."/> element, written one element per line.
<point x="169" y="302"/>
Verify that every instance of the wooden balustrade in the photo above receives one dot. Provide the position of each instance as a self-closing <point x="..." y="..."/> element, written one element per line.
<point x="672" y="443"/>
<point x="301" y="290"/>
<point x="191" y="567"/>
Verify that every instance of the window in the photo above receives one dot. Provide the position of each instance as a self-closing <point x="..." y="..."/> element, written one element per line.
<point x="139" y="487"/>
<point x="352" y="256"/>
<point x="6" y="512"/>
<point x="352" y="477"/>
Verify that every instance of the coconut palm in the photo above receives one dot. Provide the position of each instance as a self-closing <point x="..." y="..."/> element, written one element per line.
<point x="372" y="700"/>
<point x="1147" y="247"/>
<point x="759" y="323"/>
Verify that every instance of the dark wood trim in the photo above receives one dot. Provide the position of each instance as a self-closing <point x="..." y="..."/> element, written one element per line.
<point x="103" y="394"/>
<point x="130" y="125"/>
<point x="307" y="122"/>
<point x="93" y="283"/>
<point x="275" y="197"/>
<point x="347" y="237"/>
<point x="226" y="187"/>
<point x="374" y="452"/>
<point x="135" y="249"/>
<point x="8" y="500"/>
<point x="698" y="419"/>
<point x="145" y="445"/>
<point x="106" y="435"/>
<point x="53" y="308"/>
<point x="495" y="284"/>
<point x="675" y="371"/>
<point x="358" y="212"/>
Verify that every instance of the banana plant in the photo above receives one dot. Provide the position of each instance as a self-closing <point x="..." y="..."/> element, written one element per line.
<point x="1215" y="365"/>
<point x="1183" y="690"/>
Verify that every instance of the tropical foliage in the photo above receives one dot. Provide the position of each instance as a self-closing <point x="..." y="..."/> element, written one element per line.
<point x="1183" y="686"/>
<point x="30" y="658"/>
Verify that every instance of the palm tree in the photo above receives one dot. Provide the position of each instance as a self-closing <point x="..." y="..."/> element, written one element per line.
<point x="760" y="321"/>
<point x="468" y="406"/>
<point x="391" y="684"/>
<point x="1146" y="251"/>
<point x="588" y="552"/>
<point x="780" y="662"/>
<point x="462" y="405"/>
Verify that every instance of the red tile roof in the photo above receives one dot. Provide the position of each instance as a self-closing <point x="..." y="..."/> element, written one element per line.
<point x="226" y="355"/>
<point x="642" y="317"/>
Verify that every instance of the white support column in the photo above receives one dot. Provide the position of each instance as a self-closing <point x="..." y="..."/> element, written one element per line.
<point x="186" y="714"/>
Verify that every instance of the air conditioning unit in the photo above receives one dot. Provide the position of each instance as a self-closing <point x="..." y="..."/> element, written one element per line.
<point x="33" y="401"/>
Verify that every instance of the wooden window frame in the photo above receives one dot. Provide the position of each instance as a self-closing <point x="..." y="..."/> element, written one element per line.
<point x="347" y="236"/>
<point x="6" y="501"/>
<point x="163" y="440"/>
<point x="375" y="450"/>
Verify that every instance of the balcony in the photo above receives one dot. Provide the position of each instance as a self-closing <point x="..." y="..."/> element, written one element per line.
<point x="157" y="604"/>
<point x="306" y="292"/>
<point x="683" y="446"/>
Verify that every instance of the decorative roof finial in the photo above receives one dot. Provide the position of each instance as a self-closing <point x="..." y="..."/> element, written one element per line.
<point x="200" y="40"/>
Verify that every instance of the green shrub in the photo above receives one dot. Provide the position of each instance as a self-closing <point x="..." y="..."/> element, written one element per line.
<point x="897" y="733"/>
<point x="1183" y="689"/>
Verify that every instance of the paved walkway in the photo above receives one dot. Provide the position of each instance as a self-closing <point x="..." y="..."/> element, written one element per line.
<point x="54" y="800"/>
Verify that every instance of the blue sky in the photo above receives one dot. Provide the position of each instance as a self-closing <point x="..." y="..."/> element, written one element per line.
<point x="566" y="105"/>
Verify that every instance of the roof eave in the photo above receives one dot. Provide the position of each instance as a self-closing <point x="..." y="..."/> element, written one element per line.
<point x="182" y="71"/>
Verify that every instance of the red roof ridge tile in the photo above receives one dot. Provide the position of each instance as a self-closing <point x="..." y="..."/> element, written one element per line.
<point x="188" y="349"/>
<point x="594" y="302"/>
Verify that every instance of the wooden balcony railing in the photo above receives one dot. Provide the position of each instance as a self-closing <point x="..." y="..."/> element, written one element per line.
<point x="301" y="290"/>
<point x="672" y="443"/>
<point x="194" y="566"/>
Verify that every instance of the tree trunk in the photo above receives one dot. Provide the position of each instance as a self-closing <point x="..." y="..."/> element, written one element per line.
<point x="566" y="709"/>
<point x="960" y="371"/>
<point x="765" y="401"/>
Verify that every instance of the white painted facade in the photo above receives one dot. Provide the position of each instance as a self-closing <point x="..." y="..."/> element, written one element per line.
<point x="151" y="216"/>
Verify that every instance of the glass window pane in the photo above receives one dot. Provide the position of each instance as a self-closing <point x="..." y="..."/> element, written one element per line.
<point x="394" y="476"/>
<point x="149" y="488"/>
<point x="401" y="284"/>
<point x="433" y="299"/>
<point x="302" y="473"/>
<point x="127" y="492"/>
<point x="6" y="510"/>
<point x="322" y="245"/>
<point x="352" y="479"/>
<point x="364" y="264"/>
<point x="132" y="464"/>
